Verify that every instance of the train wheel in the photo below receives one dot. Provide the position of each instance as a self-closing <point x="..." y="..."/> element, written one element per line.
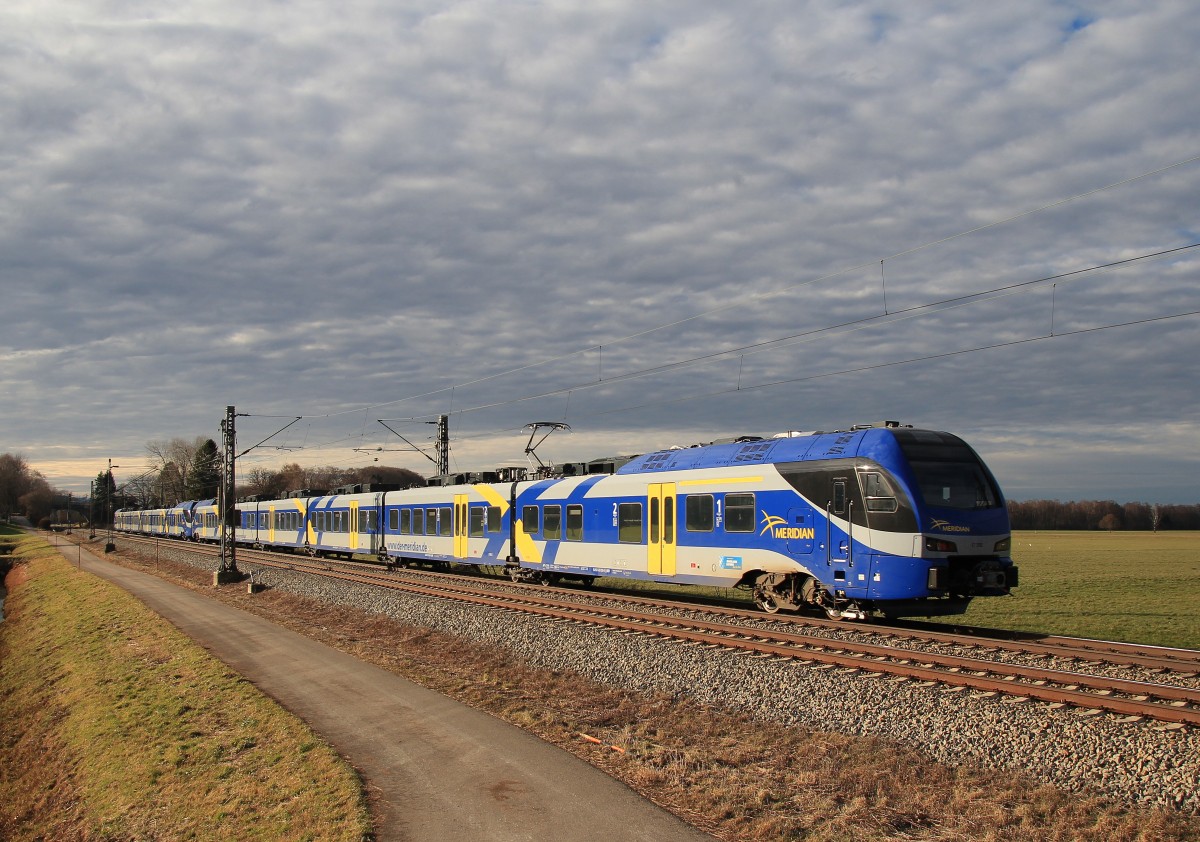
<point x="514" y="573"/>
<point x="766" y="602"/>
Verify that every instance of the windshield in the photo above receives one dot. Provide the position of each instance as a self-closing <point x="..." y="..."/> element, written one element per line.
<point x="955" y="485"/>
<point x="949" y="473"/>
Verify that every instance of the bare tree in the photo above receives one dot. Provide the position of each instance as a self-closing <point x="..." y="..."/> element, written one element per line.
<point x="38" y="499"/>
<point x="174" y="460"/>
<point x="16" y="479"/>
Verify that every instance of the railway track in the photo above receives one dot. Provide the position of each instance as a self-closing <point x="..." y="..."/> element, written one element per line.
<point x="900" y="654"/>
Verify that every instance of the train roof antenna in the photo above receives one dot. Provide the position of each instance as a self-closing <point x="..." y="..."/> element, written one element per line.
<point x="534" y="428"/>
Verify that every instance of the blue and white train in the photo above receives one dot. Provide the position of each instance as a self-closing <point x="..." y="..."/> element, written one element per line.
<point x="879" y="519"/>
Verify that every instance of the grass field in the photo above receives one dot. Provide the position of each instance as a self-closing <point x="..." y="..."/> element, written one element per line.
<point x="1142" y="587"/>
<point x="116" y="726"/>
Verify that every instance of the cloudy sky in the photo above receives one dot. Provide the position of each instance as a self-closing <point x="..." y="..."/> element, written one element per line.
<point x="658" y="222"/>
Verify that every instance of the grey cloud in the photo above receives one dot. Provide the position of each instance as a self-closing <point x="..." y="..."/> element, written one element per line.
<point x="306" y="208"/>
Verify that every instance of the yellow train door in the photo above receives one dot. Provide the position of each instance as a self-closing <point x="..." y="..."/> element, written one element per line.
<point x="460" y="526"/>
<point x="661" y="543"/>
<point x="353" y="524"/>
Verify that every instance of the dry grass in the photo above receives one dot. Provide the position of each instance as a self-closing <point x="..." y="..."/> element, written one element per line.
<point x="727" y="774"/>
<point x="117" y="727"/>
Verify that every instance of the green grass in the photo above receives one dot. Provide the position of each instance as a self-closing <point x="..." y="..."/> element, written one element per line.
<point x="116" y="726"/>
<point x="1142" y="587"/>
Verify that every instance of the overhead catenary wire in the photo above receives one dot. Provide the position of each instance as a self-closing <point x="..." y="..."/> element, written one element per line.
<point x="855" y="324"/>
<point x="743" y="301"/>
<point x="909" y="361"/>
<point x="900" y="315"/>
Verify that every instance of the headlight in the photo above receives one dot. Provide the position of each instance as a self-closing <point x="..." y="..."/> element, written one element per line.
<point x="937" y="545"/>
<point x="1004" y="545"/>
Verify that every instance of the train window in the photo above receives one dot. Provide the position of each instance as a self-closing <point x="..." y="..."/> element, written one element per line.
<point x="393" y="520"/>
<point x="552" y="523"/>
<point x="956" y="485"/>
<point x="574" y="523"/>
<point x="373" y="520"/>
<point x="839" y="496"/>
<point x="445" y="522"/>
<point x="653" y="520"/>
<point x="669" y="520"/>
<point x="493" y="519"/>
<point x="529" y="520"/>
<point x="698" y="512"/>
<point x="739" y="512"/>
<point x="475" y="522"/>
<point x="418" y="521"/>
<point x="878" y="493"/>
<point x="431" y="522"/>
<point x="629" y="523"/>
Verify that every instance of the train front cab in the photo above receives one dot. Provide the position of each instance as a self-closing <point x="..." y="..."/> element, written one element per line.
<point x="889" y="521"/>
<point x="961" y="536"/>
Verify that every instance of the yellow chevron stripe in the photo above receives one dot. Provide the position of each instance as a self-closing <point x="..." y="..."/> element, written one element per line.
<point x="492" y="496"/>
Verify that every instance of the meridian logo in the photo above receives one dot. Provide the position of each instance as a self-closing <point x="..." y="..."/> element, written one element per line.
<point x="770" y="521"/>
<point x="779" y="529"/>
<point x="946" y="526"/>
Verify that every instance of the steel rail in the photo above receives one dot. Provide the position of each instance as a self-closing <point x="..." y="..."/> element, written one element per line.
<point x="989" y="676"/>
<point x="1185" y="662"/>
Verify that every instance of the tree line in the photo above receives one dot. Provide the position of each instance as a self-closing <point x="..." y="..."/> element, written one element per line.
<point x="1101" y="514"/>
<point x="23" y="490"/>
